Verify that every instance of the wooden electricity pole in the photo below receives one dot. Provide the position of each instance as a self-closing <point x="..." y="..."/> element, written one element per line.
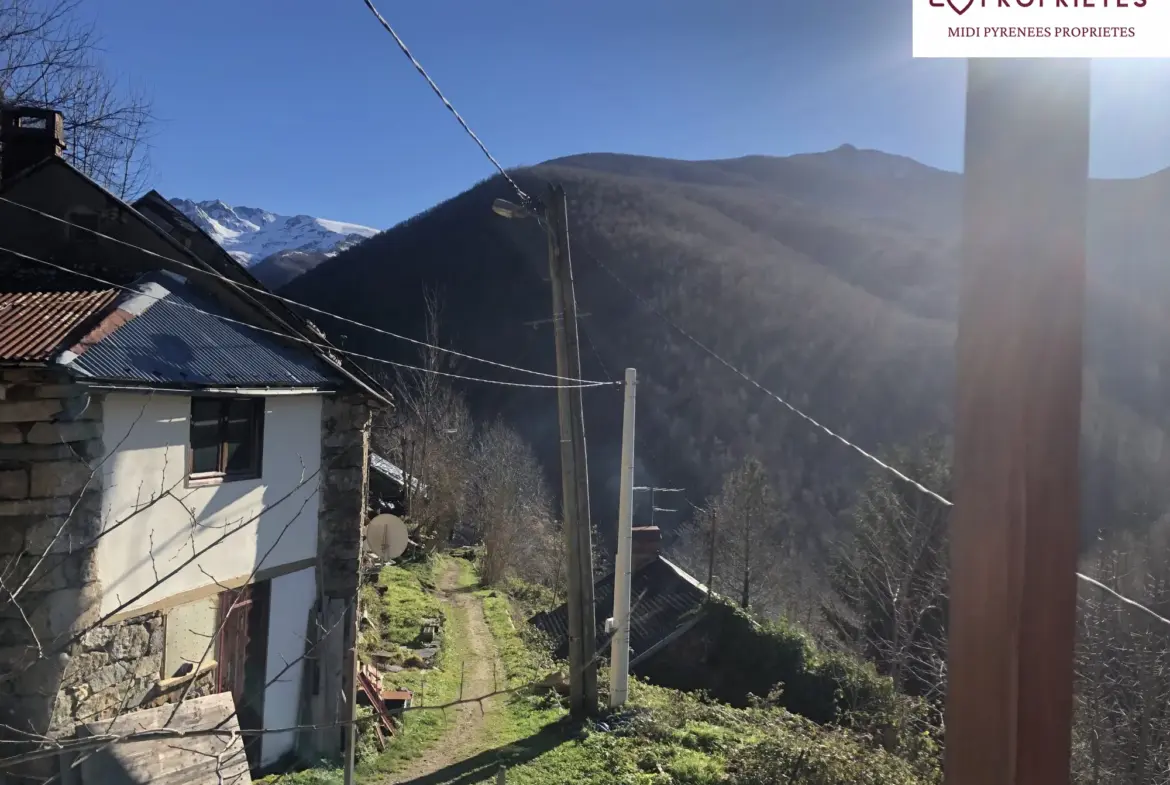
<point x="1017" y="472"/>
<point x="574" y="471"/>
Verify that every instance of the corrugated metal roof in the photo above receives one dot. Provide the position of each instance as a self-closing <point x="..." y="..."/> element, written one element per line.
<point x="662" y="597"/>
<point x="172" y="335"/>
<point x="398" y="476"/>
<point x="34" y="324"/>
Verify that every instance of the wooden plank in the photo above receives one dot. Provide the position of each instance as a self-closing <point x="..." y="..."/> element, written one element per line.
<point x="1014" y="534"/>
<point x="200" y="760"/>
<point x="373" y="692"/>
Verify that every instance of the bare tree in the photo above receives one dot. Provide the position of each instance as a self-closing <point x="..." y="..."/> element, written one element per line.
<point x="744" y="538"/>
<point x="49" y="58"/>
<point x="890" y="577"/>
<point x="511" y="508"/>
<point x="429" y="435"/>
<point x="1121" y="729"/>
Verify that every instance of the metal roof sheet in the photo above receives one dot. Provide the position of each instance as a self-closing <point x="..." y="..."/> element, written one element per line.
<point x="33" y="325"/>
<point x="392" y="472"/>
<point x="175" y="335"/>
<point x="662" y="597"/>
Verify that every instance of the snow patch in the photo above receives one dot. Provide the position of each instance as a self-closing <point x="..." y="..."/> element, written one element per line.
<point x="251" y="234"/>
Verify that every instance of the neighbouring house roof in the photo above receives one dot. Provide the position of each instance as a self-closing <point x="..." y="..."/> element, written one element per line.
<point x="171" y="333"/>
<point x="393" y="473"/>
<point x="210" y="272"/>
<point x="663" y="598"/>
<point x="34" y="324"/>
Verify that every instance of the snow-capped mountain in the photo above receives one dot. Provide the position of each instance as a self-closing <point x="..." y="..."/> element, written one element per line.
<point x="252" y="235"/>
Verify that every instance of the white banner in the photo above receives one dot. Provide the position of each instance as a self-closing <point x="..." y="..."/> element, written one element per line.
<point x="1041" y="28"/>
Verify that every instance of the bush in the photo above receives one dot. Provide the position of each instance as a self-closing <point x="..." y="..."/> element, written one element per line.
<point x="803" y="752"/>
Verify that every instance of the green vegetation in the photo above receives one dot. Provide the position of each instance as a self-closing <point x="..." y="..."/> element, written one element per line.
<point x="683" y="738"/>
<point x="397" y="616"/>
<point x="525" y="713"/>
<point x="431" y="687"/>
<point x="401" y="603"/>
<point x="832" y="721"/>
<point x="407" y="602"/>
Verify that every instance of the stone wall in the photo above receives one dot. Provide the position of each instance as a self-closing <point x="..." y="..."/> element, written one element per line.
<point x="345" y="461"/>
<point x="113" y="669"/>
<point x="50" y="501"/>
<point x="345" y="456"/>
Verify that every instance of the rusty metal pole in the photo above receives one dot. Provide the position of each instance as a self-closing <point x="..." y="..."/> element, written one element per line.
<point x="1017" y="435"/>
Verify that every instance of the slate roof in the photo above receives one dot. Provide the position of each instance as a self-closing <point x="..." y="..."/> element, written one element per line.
<point x="663" y="596"/>
<point x="34" y="324"/>
<point x="171" y="334"/>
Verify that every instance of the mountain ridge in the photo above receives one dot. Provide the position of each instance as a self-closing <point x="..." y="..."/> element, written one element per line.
<point x="276" y="246"/>
<point x="831" y="278"/>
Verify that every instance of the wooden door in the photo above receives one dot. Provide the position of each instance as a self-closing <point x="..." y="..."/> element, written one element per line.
<point x="243" y="657"/>
<point x="234" y="607"/>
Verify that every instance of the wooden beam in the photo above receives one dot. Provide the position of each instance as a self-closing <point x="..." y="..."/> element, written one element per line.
<point x="1017" y="435"/>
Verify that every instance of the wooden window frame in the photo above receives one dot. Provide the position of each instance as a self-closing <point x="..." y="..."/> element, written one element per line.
<point x="254" y="469"/>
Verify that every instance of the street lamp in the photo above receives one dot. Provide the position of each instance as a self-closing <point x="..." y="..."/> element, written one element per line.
<point x="506" y="209"/>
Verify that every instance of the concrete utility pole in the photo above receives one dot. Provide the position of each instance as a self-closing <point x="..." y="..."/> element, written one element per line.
<point x="1014" y="534"/>
<point x="574" y="466"/>
<point x="619" y="658"/>
<point x="553" y="217"/>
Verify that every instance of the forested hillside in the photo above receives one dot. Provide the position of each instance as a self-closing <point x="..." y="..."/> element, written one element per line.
<point x="831" y="278"/>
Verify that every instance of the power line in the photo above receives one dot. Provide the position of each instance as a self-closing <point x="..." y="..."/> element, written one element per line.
<point x="524" y="198"/>
<point x="288" y="301"/>
<point x="320" y="347"/>
<point x="864" y="453"/>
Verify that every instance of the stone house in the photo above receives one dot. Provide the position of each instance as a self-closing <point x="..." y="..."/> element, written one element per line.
<point x="183" y="470"/>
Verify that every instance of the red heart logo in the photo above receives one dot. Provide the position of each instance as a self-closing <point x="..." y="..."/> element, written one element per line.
<point x="960" y="10"/>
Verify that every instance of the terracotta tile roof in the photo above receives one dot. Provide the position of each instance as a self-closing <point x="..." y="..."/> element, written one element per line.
<point x="34" y="325"/>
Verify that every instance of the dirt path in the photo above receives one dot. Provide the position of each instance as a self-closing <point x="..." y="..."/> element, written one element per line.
<point x="464" y="736"/>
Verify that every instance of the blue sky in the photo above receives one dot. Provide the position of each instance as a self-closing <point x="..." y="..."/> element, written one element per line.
<point x="307" y="106"/>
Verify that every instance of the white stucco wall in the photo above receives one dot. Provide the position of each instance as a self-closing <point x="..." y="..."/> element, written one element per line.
<point x="146" y="437"/>
<point x="290" y="602"/>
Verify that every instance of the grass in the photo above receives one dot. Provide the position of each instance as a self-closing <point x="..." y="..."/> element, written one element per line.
<point x="430" y="687"/>
<point x="407" y="602"/>
<point x="524" y="715"/>
<point x="662" y="737"/>
<point x="397" y="617"/>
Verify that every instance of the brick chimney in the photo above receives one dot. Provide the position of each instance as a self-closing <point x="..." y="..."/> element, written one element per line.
<point x="28" y="135"/>
<point x="647" y="543"/>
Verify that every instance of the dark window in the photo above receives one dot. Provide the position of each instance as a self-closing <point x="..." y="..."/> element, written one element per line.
<point x="226" y="437"/>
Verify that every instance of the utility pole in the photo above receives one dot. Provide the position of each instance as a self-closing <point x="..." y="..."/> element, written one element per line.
<point x="351" y="689"/>
<point x="619" y="658"/>
<point x="574" y="471"/>
<point x="553" y="217"/>
<point x="1014" y="533"/>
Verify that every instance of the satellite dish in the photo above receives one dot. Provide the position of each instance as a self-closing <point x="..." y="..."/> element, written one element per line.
<point x="386" y="536"/>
